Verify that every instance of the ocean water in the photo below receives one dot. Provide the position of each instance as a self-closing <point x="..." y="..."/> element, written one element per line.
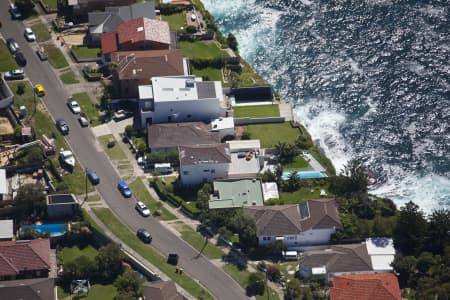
<point x="369" y="79"/>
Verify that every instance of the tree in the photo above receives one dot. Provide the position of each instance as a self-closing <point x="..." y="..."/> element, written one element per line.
<point x="191" y="29"/>
<point x="295" y="290"/>
<point x="202" y="202"/>
<point x="128" y="282"/>
<point x="21" y="88"/>
<point x="353" y="180"/>
<point x="404" y="267"/>
<point x="109" y="262"/>
<point x="256" y="284"/>
<point x="438" y="231"/>
<point x="34" y="155"/>
<point x="232" y="42"/>
<point x="293" y="183"/>
<point x="81" y="267"/>
<point x="24" y="5"/>
<point x="31" y="196"/>
<point x="273" y="273"/>
<point x="245" y="226"/>
<point x="410" y="230"/>
<point x="286" y="151"/>
<point x="245" y="135"/>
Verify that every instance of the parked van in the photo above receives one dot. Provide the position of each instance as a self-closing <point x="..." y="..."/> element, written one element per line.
<point x="164" y="168"/>
<point x="290" y="255"/>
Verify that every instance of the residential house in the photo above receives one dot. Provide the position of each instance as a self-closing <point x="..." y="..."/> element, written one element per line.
<point x="180" y="99"/>
<point x="6" y="230"/>
<point x="28" y="289"/>
<point x="375" y="255"/>
<point x="366" y="287"/>
<point x="101" y="22"/>
<point x="161" y="290"/>
<point x="244" y="146"/>
<point x="135" y="68"/>
<point x="82" y="7"/>
<point x="296" y="225"/>
<point x="203" y="163"/>
<point x="24" y="259"/>
<point x="236" y="193"/>
<point x="172" y="135"/>
<point x="61" y="205"/>
<point x="251" y="94"/>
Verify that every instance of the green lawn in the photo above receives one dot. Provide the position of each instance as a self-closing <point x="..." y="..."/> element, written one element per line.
<point x="129" y="238"/>
<point x="94" y="198"/>
<point x="141" y="193"/>
<point x="201" y="50"/>
<point x="41" y="32"/>
<point x="115" y="153"/>
<point x="68" y="77"/>
<point x="271" y="134"/>
<point x="51" y="3"/>
<point x="208" y="73"/>
<point x="249" y="77"/>
<point x="197" y="241"/>
<point x="100" y="292"/>
<point x="298" y="163"/>
<point x="70" y="253"/>
<point x="7" y="61"/>
<point x="55" y="57"/>
<point x="88" y="107"/>
<point x="257" y="111"/>
<point x="176" y="21"/>
<point x="302" y="194"/>
<point x="85" y="52"/>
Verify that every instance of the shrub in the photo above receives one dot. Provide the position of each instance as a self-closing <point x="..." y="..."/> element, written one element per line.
<point x="256" y="284"/>
<point x="273" y="273"/>
<point x="191" y="29"/>
<point x="21" y="88"/>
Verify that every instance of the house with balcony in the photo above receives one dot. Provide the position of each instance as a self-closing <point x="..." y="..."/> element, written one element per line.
<point x="297" y="225"/>
<point x="176" y="99"/>
<point x="236" y="193"/>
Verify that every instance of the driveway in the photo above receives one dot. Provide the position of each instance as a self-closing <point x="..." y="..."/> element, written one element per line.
<point x="91" y="155"/>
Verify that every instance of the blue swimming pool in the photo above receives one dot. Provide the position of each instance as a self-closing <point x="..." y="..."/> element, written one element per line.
<point x="53" y="229"/>
<point x="304" y="175"/>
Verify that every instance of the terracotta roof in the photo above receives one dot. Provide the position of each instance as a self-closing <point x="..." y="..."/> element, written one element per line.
<point x="338" y="258"/>
<point x="210" y="154"/>
<point x="293" y="219"/>
<point x="18" y="256"/>
<point x="29" y="289"/>
<point x="147" y="64"/>
<point x="144" y="29"/>
<point x="382" y="286"/>
<point x="161" y="290"/>
<point x="109" y="42"/>
<point x="180" y="134"/>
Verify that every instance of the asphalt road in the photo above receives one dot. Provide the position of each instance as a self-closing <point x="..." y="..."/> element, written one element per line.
<point x="90" y="154"/>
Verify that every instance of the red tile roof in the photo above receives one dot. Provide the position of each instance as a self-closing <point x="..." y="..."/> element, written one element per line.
<point x="18" y="256"/>
<point x="109" y="42"/>
<point x="382" y="286"/>
<point x="144" y="29"/>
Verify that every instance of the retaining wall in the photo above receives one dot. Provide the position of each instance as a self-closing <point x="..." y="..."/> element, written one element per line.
<point x="247" y="121"/>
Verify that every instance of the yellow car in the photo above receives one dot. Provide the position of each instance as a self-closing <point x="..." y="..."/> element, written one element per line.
<point x="39" y="88"/>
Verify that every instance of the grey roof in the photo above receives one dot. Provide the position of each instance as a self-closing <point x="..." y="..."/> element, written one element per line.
<point x="180" y="134"/>
<point x="206" y="90"/>
<point x="338" y="258"/>
<point x="6" y="229"/>
<point x="61" y="198"/>
<point x="107" y="21"/>
<point x="29" y="289"/>
<point x="161" y="290"/>
<point x="200" y="154"/>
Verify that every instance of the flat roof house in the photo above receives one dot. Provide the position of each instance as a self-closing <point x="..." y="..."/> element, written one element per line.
<point x="6" y="230"/>
<point x="296" y="225"/>
<point x="236" y="193"/>
<point x="180" y="99"/>
<point x="136" y="68"/>
<point x="24" y="259"/>
<point x="28" y="289"/>
<point x="61" y="205"/>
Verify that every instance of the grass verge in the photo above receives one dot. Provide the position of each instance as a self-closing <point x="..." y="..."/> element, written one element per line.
<point x="41" y="32"/>
<point x="199" y="242"/>
<point x="150" y="254"/>
<point x="115" y="153"/>
<point x="141" y="193"/>
<point x="68" y="77"/>
<point x="271" y="134"/>
<point x="208" y="73"/>
<point x="88" y="107"/>
<point x="257" y="111"/>
<point x="70" y="253"/>
<point x="7" y="61"/>
<point x="201" y="50"/>
<point x="176" y="21"/>
<point x="298" y="163"/>
<point x="55" y="57"/>
<point x="85" y="52"/>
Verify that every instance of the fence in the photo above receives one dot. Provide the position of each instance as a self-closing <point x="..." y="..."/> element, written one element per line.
<point x="247" y="121"/>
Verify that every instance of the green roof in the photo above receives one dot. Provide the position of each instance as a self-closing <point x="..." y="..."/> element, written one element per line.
<point x="236" y="193"/>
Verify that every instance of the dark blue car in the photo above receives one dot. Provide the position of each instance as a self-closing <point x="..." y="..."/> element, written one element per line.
<point x="93" y="177"/>
<point x="124" y="189"/>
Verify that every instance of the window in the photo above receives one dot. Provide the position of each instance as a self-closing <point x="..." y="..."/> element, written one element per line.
<point x="205" y="170"/>
<point x="189" y="116"/>
<point x="213" y="171"/>
<point x="185" y="172"/>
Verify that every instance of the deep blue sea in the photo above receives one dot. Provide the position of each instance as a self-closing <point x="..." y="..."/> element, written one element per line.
<point x="370" y="79"/>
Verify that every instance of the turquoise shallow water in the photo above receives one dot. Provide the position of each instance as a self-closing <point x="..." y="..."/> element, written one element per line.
<point x="369" y="79"/>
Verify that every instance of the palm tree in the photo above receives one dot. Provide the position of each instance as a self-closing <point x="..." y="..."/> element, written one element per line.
<point x="293" y="182"/>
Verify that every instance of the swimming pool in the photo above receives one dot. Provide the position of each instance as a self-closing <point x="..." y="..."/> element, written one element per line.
<point x="304" y="175"/>
<point x="53" y="229"/>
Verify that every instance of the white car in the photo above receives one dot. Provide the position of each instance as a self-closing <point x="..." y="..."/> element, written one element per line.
<point x="67" y="157"/>
<point x="74" y="106"/>
<point x="140" y="207"/>
<point x="29" y="34"/>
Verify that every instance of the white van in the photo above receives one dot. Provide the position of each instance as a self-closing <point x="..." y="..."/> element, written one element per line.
<point x="164" y="168"/>
<point x="290" y="255"/>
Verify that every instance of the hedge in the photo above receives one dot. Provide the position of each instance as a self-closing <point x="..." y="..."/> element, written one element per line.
<point x="174" y="199"/>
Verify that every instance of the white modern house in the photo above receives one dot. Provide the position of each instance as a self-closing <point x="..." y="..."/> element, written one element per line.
<point x="180" y="99"/>
<point x="306" y="224"/>
<point x="204" y="163"/>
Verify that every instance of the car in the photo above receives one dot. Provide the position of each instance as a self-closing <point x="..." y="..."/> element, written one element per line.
<point x="12" y="45"/>
<point x="74" y="106"/>
<point x="83" y="121"/>
<point x="20" y="59"/>
<point x="42" y="53"/>
<point x="124" y="189"/>
<point x="142" y="209"/>
<point x="29" y="34"/>
<point x="39" y="89"/>
<point x="172" y="259"/>
<point x="122" y="114"/>
<point x="93" y="177"/>
<point x="16" y="74"/>
<point x="62" y="126"/>
<point x="144" y="235"/>
<point x="14" y="11"/>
